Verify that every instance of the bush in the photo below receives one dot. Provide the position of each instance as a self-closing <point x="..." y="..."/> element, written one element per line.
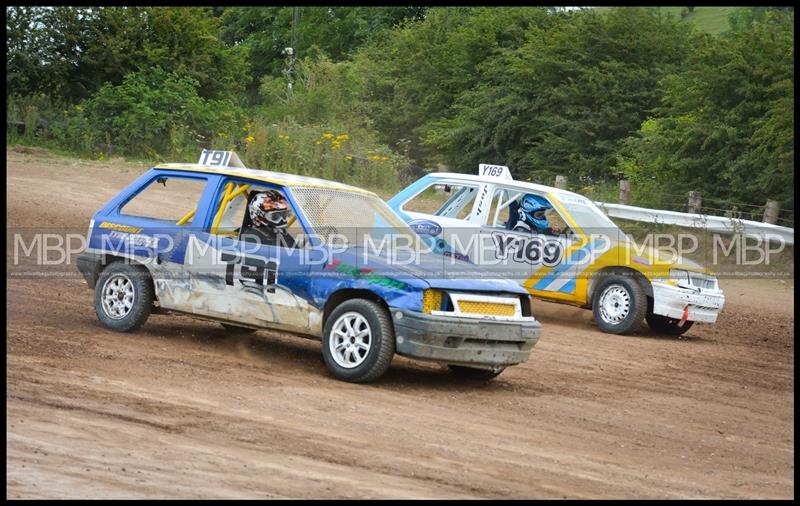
<point x="324" y="151"/>
<point x="154" y="111"/>
<point x="29" y="118"/>
<point x="319" y="129"/>
<point x="324" y="91"/>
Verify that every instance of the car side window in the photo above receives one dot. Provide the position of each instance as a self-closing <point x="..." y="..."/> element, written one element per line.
<point x="442" y="199"/>
<point x="230" y="210"/>
<point x="233" y="217"/>
<point x="504" y="213"/>
<point x="170" y="199"/>
<point x="501" y="207"/>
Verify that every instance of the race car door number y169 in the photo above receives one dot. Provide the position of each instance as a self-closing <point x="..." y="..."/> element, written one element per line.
<point x="532" y="250"/>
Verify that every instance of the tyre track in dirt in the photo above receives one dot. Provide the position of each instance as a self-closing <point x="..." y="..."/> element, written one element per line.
<point x="183" y="409"/>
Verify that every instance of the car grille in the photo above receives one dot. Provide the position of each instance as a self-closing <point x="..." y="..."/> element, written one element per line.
<point x="486" y="308"/>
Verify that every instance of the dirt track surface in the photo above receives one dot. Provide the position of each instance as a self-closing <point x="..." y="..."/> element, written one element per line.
<point x="182" y="409"/>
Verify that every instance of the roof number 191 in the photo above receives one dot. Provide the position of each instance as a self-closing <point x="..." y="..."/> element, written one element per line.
<point x="211" y="158"/>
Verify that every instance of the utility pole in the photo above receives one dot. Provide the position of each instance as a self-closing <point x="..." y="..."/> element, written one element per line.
<point x="291" y="52"/>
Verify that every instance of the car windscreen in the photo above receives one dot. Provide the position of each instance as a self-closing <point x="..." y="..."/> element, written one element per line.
<point x="351" y="216"/>
<point x="591" y="219"/>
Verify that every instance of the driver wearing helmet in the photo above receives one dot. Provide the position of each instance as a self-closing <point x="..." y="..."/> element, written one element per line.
<point x="269" y="214"/>
<point x="530" y="215"/>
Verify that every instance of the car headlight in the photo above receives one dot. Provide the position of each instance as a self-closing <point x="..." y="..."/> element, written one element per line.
<point x="678" y="277"/>
<point x="432" y="300"/>
<point x="704" y="281"/>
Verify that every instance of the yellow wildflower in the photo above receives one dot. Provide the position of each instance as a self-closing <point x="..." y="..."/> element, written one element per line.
<point x="327" y="135"/>
<point x="348" y="157"/>
<point x="318" y="142"/>
<point x="249" y="139"/>
<point x="342" y="137"/>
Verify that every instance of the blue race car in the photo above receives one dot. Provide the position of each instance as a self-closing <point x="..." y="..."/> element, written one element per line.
<point x="254" y="249"/>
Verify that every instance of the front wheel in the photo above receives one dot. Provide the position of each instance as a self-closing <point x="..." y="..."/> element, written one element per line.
<point x="474" y="373"/>
<point x="123" y="296"/>
<point x="666" y="325"/>
<point x="358" y="341"/>
<point x="619" y="305"/>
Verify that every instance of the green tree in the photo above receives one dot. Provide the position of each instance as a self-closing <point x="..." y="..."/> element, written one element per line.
<point x="186" y="41"/>
<point x="414" y="74"/>
<point x="563" y="101"/>
<point x="725" y="126"/>
<point x="44" y="49"/>
<point x="23" y="71"/>
<point x="111" y="46"/>
<point x="155" y="111"/>
<point x="332" y="31"/>
<point x="70" y="52"/>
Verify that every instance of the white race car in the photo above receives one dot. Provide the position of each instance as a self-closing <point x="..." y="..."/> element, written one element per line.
<point x="582" y="259"/>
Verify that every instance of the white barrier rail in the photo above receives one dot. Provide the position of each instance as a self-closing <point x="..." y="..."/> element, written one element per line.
<point x="718" y="224"/>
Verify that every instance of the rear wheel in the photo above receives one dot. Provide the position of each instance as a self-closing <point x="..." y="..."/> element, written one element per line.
<point x="619" y="305"/>
<point x="666" y="325"/>
<point x="123" y="296"/>
<point x="358" y="341"/>
<point x="474" y="373"/>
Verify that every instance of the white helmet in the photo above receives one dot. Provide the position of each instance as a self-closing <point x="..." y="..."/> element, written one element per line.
<point x="269" y="209"/>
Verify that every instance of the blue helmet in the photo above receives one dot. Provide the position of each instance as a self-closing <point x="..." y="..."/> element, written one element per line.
<point x="532" y="210"/>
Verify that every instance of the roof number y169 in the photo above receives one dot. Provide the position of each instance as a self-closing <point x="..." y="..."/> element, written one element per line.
<point x="497" y="171"/>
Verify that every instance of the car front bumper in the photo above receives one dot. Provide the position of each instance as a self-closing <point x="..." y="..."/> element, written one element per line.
<point x="464" y="341"/>
<point x="672" y="301"/>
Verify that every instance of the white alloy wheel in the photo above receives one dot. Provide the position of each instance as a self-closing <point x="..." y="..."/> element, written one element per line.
<point x="117" y="296"/>
<point x="350" y="340"/>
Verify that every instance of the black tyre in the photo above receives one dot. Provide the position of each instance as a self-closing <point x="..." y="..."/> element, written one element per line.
<point x="619" y="304"/>
<point x="666" y="325"/>
<point x="123" y="296"/>
<point x="358" y="341"/>
<point x="473" y="373"/>
<point x="235" y="329"/>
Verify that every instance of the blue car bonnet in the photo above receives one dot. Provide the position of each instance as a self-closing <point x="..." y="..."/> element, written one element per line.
<point x="429" y="270"/>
